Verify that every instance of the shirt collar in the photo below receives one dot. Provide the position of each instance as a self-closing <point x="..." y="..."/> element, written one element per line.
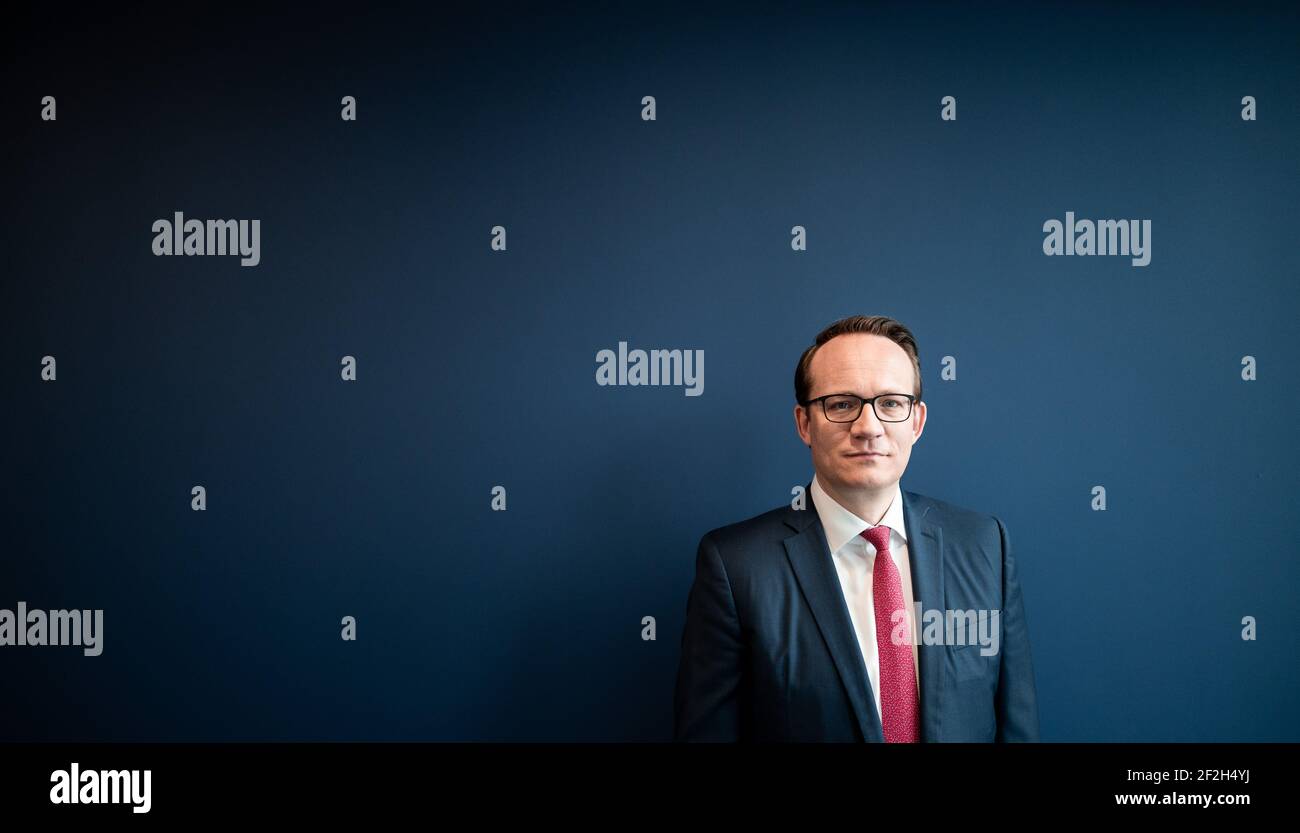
<point x="842" y="526"/>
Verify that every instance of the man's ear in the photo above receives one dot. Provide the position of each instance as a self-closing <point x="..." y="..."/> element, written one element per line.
<point x="800" y="415"/>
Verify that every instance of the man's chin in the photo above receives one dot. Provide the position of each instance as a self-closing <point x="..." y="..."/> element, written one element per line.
<point x="865" y="480"/>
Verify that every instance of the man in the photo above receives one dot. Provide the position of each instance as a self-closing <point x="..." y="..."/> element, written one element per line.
<point x="801" y="625"/>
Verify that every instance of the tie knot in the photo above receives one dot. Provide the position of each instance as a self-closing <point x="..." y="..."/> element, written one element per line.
<point x="878" y="536"/>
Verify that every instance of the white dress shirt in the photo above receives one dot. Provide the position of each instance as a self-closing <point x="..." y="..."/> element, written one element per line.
<point x="855" y="558"/>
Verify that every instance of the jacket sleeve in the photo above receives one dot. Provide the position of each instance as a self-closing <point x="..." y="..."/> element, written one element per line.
<point x="707" y="701"/>
<point x="1016" y="703"/>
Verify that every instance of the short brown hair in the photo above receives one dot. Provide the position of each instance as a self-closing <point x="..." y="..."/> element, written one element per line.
<point x="879" y="325"/>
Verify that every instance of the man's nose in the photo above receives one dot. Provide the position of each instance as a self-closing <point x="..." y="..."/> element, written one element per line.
<point x="867" y="423"/>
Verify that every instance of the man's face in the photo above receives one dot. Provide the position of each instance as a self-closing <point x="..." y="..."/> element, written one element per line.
<point x="866" y="365"/>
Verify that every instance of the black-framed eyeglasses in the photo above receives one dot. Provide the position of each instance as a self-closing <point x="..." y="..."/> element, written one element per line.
<point x="847" y="407"/>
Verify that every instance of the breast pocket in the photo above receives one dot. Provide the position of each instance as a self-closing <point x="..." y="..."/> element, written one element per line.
<point x="965" y="662"/>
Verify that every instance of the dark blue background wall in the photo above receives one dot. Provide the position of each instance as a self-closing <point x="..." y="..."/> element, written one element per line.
<point x="477" y="368"/>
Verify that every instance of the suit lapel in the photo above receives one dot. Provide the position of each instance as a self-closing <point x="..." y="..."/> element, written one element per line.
<point x="810" y="559"/>
<point x="925" y="558"/>
<point x="814" y="568"/>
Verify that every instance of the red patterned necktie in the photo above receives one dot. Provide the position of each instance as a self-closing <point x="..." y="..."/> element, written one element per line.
<point x="898" y="699"/>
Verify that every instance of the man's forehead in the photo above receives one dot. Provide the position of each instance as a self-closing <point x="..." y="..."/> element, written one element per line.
<point x="847" y="364"/>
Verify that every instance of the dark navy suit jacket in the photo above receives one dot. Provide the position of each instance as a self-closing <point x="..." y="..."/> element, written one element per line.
<point x="769" y="652"/>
